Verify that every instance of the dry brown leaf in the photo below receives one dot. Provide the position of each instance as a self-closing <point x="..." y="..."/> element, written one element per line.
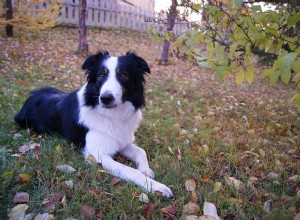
<point x="297" y="216"/>
<point x="231" y="181"/>
<point x="21" y="197"/>
<point x="148" y="210"/>
<point x="115" y="181"/>
<point x="87" y="211"/>
<point x="229" y="216"/>
<point x="190" y="209"/>
<point x="36" y="148"/>
<point x="99" y="214"/>
<point x="190" y="185"/>
<point x="169" y="211"/>
<point x="194" y="197"/>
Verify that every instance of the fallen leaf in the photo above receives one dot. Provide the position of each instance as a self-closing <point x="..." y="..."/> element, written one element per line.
<point x="18" y="212"/>
<point x="69" y="184"/>
<point x="190" y="185"/>
<point x="191" y="217"/>
<point x="148" y="210"/>
<point x="292" y="151"/>
<point x="65" y="168"/>
<point x="251" y="132"/>
<point x="36" y="148"/>
<point x="23" y="149"/>
<point x="217" y="187"/>
<point x="262" y="152"/>
<point x="210" y="113"/>
<point x="64" y="201"/>
<point x="253" y="181"/>
<point x="21" y="197"/>
<point x="294" y="178"/>
<point x="45" y="216"/>
<point x="297" y="216"/>
<point x="267" y="206"/>
<point x="206" y="217"/>
<point x="17" y="135"/>
<point x="115" y="181"/>
<point x="231" y="181"/>
<point x="190" y="209"/>
<point x="229" y="216"/>
<point x="205" y="149"/>
<point x="194" y="197"/>
<point x="272" y="176"/>
<point x="90" y="158"/>
<point x="210" y="209"/>
<point x="156" y="166"/>
<point x="23" y="179"/>
<point x="144" y="198"/>
<point x="99" y="214"/>
<point x="87" y="211"/>
<point x="178" y="154"/>
<point x="183" y="132"/>
<point x="205" y="179"/>
<point x="169" y="211"/>
<point x="217" y="129"/>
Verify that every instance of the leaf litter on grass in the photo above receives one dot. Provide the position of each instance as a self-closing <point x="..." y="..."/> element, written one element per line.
<point x="250" y="134"/>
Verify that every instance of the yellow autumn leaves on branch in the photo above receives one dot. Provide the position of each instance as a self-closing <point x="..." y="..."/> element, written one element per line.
<point x="32" y="14"/>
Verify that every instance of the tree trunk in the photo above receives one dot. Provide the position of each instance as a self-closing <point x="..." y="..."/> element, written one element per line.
<point x="171" y="17"/>
<point x="9" y="16"/>
<point x="83" y="45"/>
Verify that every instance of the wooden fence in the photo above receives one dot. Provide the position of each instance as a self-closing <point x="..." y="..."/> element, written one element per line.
<point x="106" y="14"/>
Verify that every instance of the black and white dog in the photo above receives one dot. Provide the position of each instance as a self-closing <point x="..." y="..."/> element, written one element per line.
<point x="101" y="116"/>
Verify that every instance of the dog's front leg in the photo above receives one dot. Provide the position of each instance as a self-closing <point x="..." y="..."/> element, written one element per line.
<point x="130" y="174"/>
<point x="103" y="148"/>
<point x="139" y="157"/>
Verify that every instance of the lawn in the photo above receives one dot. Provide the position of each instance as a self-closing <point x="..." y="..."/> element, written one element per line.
<point x="239" y="145"/>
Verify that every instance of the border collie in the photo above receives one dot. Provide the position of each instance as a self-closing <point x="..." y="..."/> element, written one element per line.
<point x="101" y="116"/>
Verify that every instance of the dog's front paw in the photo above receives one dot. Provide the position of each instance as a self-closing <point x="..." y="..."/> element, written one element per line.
<point x="146" y="171"/>
<point x="166" y="191"/>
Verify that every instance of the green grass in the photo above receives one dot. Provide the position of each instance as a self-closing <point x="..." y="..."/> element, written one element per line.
<point x="172" y="104"/>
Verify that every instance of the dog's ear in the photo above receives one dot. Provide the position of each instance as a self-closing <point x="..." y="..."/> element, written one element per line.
<point x="91" y="60"/>
<point x="142" y="64"/>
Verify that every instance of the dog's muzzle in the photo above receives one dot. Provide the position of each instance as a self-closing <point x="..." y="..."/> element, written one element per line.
<point x="108" y="100"/>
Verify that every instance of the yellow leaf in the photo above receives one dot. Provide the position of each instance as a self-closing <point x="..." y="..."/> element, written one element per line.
<point x="250" y="75"/>
<point x="24" y="178"/>
<point x="240" y="77"/>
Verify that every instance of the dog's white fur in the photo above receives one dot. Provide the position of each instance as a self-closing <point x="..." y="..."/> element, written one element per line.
<point x="112" y="131"/>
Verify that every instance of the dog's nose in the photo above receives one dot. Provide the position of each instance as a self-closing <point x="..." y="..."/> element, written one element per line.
<point x="107" y="98"/>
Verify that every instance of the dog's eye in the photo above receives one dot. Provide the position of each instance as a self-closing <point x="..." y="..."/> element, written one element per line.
<point x="102" y="74"/>
<point x="122" y="76"/>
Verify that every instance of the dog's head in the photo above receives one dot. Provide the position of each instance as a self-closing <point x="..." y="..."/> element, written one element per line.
<point x="111" y="81"/>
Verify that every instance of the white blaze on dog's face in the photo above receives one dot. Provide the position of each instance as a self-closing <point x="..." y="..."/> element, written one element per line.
<point x="111" y="91"/>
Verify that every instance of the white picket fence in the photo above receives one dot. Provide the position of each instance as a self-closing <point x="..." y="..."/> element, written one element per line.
<point x="106" y="14"/>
